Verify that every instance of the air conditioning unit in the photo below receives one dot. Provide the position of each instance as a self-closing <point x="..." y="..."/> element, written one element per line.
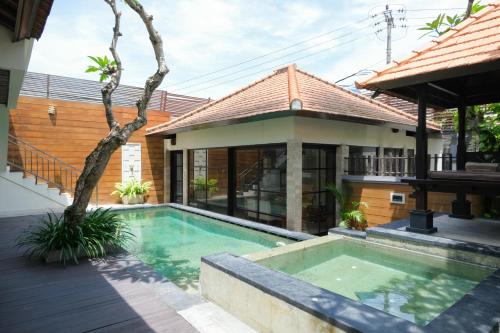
<point x="398" y="198"/>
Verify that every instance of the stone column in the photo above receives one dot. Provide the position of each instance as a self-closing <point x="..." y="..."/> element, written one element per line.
<point x="340" y="165"/>
<point x="185" y="178"/>
<point x="4" y="136"/>
<point x="294" y="185"/>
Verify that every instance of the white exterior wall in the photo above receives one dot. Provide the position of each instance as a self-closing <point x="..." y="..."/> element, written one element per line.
<point x="291" y="130"/>
<point x="308" y="130"/>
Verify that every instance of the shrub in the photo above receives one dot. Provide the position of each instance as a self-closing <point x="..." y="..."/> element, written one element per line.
<point x="203" y="184"/>
<point x="132" y="188"/>
<point x="101" y="232"/>
<point x="351" y="216"/>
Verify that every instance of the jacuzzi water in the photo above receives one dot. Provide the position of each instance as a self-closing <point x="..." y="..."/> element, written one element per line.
<point x="173" y="241"/>
<point x="406" y="284"/>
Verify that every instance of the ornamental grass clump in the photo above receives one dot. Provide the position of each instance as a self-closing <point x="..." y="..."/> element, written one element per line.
<point x="101" y="232"/>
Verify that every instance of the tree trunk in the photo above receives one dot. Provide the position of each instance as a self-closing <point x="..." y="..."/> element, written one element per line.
<point x="95" y="164"/>
<point x="97" y="160"/>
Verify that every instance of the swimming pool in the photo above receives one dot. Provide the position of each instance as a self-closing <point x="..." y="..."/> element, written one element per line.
<point x="406" y="284"/>
<point x="172" y="241"/>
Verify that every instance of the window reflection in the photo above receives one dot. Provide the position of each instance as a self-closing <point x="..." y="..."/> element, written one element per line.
<point x="318" y="205"/>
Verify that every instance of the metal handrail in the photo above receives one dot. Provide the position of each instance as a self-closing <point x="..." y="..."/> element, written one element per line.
<point x="43" y="166"/>
<point x="49" y="156"/>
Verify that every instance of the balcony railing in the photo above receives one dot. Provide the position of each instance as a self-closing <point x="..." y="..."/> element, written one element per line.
<point x="399" y="166"/>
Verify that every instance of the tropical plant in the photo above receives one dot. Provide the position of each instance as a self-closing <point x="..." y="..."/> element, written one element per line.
<point x="443" y="23"/>
<point x="484" y="122"/>
<point x="102" y="231"/>
<point x="132" y="188"/>
<point x="105" y="67"/>
<point x="203" y="184"/>
<point x="351" y="213"/>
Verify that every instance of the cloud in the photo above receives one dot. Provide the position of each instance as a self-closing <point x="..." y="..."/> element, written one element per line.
<point x="203" y="36"/>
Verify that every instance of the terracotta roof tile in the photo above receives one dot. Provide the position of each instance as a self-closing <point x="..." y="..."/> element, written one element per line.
<point x="278" y="92"/>
<point x="476" y="40"/>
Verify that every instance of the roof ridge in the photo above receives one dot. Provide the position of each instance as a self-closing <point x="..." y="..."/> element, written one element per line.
<point x="294" y="100"/>
<point x="370" y="100"/>
<point x="437" y="41"/>
<point x="195" y="111"/>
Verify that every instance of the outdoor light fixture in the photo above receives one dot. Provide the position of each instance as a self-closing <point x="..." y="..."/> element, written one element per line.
<point x="296" y="104"/>
<point x="52" y="110"/>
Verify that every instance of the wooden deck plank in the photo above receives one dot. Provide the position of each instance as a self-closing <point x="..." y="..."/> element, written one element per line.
<point x="111" y="296"/>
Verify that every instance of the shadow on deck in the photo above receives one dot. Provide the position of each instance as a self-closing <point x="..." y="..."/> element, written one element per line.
<point x="116" y="294"/>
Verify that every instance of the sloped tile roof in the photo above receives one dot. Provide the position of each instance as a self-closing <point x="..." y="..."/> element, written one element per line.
<point x="475" y="41"/>
<point x="289" y="90"/>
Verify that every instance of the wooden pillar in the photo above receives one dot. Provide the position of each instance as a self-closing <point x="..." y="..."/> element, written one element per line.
<point x="461" y="207"/>
<point x="421" y="218"/>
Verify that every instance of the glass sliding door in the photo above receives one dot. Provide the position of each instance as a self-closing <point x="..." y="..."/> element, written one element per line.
<point x="318" y="204"/>
<point x="208" y="179"/>
<point x="176" y="177"/>
<point x="260" y="179"/>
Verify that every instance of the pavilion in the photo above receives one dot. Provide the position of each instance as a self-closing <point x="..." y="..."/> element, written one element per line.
<point x="461" y="68"/>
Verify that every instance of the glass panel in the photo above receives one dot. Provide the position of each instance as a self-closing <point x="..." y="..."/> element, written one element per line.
<point x="310" y="158"/>
<point x="310" y="181"/>
<point x="217" y="177"/>
<point x="272" y="203"/>
<point x="276" y="221"/>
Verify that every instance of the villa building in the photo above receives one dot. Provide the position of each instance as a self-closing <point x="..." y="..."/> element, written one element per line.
<point x="268" y="151"/>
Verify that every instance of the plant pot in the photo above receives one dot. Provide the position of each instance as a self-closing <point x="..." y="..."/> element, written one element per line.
<point x="54" y="256"/>
<point x="138" y="199"/>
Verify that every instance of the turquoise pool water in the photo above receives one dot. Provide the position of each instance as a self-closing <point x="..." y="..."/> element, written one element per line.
<point x="173" y="241"/>
<point x="408" y="285"/>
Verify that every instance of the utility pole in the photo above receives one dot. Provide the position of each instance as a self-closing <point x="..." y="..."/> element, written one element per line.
<point x="389" y="20"/>
<point x="390" y="15"/>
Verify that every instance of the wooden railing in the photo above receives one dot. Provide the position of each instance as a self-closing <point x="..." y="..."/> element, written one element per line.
<point x="398" y="166"/>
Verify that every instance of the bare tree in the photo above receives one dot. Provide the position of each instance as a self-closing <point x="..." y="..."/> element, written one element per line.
<point x="118" y="135"/>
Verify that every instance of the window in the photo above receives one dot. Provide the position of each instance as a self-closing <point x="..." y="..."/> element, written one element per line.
<point x="176" y="169"/>
<point x="318" y="205"/>
<point x="208" y="179"/>
<point x="260" y="177"/>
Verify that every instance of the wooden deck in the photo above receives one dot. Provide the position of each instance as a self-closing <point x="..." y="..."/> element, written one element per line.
<point x="116" y="295"/>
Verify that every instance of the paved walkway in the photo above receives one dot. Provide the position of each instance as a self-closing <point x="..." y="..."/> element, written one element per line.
<point x="119" y="294"/>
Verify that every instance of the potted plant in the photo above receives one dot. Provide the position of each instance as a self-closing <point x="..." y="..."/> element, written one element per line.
<point x="132" y="192"/>
<point x="351" y="215"/>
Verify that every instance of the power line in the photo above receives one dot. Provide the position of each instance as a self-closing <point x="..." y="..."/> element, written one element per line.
<point x="274" y="59"/>
<point x="270" y="53"/>
<point x="275" y="66"/>
<point x="175" y="84"/>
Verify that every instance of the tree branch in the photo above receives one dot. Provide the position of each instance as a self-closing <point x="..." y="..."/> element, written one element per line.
<point x="154" y="80"/>
<point x="116" y="73"/>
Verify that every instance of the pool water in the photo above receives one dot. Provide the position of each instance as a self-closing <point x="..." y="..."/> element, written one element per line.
<point x="406" y="284"/>
<point x="173" y="241"/>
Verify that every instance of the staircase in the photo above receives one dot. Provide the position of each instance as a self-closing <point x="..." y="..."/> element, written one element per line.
<point x="34" y="180"/>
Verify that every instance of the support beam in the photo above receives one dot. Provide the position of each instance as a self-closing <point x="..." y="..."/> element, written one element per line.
<point x="421" y="218"/>
<point x="461" y="207"/>
<point x="185" y="177"/>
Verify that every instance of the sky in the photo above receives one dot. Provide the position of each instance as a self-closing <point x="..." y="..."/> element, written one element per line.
<point x="331" y="39"/>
